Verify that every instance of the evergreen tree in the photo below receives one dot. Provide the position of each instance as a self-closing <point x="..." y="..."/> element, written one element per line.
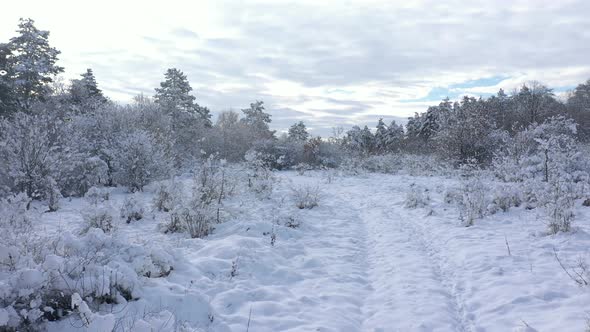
<point x="85" y="94"/>
<point x="256" y="120"/>
<point x="381" y="137"/>
<point x="32" y="64"/>
<point x="174" y="97"/>
<point x="394" y="137"/>
<point x="298" y="132"/>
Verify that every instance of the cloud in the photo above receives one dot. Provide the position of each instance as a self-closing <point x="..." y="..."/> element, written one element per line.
<point x="328" y="63"/>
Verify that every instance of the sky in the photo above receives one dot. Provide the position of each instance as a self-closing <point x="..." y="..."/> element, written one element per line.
<point x="327" y="63"/>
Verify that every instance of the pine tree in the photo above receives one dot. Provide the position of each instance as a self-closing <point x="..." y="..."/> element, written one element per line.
<point x="394" y="137"/>
<point x="381" y="137"/>
<point x="257" y="121"/>
<point x="174" y="93"/>
<point x="32" y="64"/>
<point x="298" y="132"/>
<point x="85" y="94"/>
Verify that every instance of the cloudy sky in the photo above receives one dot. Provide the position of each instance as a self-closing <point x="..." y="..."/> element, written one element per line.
<point x="328" y="63"/>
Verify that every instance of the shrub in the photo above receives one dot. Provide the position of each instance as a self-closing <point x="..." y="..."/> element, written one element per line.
<point x="53" y="195"/>
<point x="139" y="160"/>
<point x="417" y="197"/>
<point x="98" y="217"/>
<point x="132" y="208"/>
<point x="504" y="197"/>
<point x="198" y="222"/>
<point x="95" y="196"/>
<point x="559" y="205"/>
<point x="475" y="201"/>
<point x="307" y="196"/>
<point x="168" y="194"/>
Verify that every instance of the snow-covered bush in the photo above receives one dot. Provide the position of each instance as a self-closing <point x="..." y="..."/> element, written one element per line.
<point x="197" y="221"/>
<point x="53" y="195"/>
<point x="28" y="152"/>
<point x="452" y="195"/>
<point x="416" y="197"/>
<point x="167" y="195"/>
<point x="558" y="201"/>
<point x="301" y="168"/>
<point x="95" y="195"/>
<point x="42" y="285"/>
<point x="475" y="201"/>
<point x="98" y="217"/>
<point x="209" y="182"/>
<point x="260" y="176"/>
<point x="132" y="209"/>
<point x="306" y="196"/>
<point x="139" y="161"/>
<point x="84" y="173"/>
<point x="504" y="197"/>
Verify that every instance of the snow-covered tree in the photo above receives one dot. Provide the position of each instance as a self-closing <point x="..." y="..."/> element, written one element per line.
<point x="381" y="137"/>
<point x="85" y="94"/>
<point x="174" y="96"/>
<point x="257" y="121"/>
<point x="28" y="153"/>
<point x="464" y="132"/>
<point x="32" y="64"/>
<point x="298" y="132"/>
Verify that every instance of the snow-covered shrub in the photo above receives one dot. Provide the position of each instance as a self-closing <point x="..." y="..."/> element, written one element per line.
<point x="504" y="197"/>
<point x="83" y="174"/>
<point x="197" y="221"/>
<point x="53" y="194"/>
<point x="475" y="201"/>
<point x="167" y="195"/>
<point x="132" y="208"/>
<point x="95" y="195"/>
<point x="416" y="197"/>
<point x="452" y="195"/>
<point x="98" y="217"/>
<point x="209" y="182"/>
<point x="260" y="176"/>
<point x="306" y="196"/>
<point x="41" y="285"/>
<point x="301" y="168"/>
<point x="29" y="153"/>
<point x="388" y="164"/>
<point x="139" y="160"/>
<point x="558" y="201"/>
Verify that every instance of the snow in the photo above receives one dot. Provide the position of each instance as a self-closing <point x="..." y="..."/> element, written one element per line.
<point x="359" y="261"/>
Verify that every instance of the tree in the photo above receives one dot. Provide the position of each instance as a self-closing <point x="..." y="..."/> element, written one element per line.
<point x="174" y="97"/>
<point x="394" y="137"/>
<point x="464" y="132"/>
<point x="32" y="64"/>
<point x="360" y="140"/>
<point x="85" y="94"/>
<point x="7" y="101"/>
<point x="298" y="132"/>
<point x="578" y="105"/>
<point x="534" y="103"/>
<point x="29" y="154"/>
<point x="257" y="121"/>
<point x="381" y="137"/>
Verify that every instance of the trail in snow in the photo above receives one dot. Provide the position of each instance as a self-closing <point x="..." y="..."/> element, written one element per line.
<point x="410" y="290"/>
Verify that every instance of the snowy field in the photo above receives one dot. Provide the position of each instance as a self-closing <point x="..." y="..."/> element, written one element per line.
<point x="359" y="261"/>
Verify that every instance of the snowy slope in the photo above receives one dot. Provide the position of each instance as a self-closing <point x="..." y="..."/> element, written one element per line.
<point x="360" y="261"/>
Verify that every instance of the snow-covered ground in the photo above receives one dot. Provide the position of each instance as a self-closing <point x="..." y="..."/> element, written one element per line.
<point x="360" y="261"/>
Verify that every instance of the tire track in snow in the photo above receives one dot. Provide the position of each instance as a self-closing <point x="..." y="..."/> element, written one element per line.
<point x="412" y="287"/>
<point x="444" y="271"/>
